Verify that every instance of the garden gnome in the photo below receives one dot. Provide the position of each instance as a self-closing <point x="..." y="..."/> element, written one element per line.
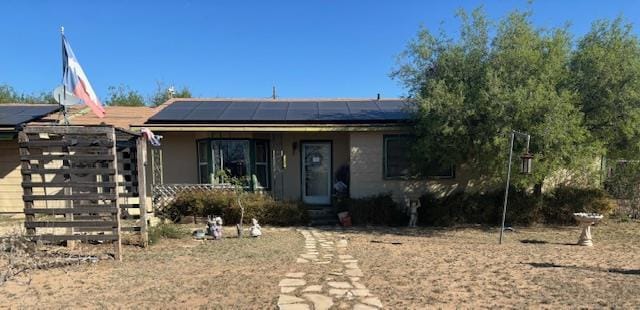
<point x="413" y="211"/>
<point x="255" y="230"/>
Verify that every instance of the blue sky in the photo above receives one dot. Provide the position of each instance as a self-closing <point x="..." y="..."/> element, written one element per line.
<point x="242" y="48"/>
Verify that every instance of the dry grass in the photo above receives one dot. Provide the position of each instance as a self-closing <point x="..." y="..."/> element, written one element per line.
<point x="432" y="268"/>
<point x="535" y="267"/>
<point x="183" y="273"/>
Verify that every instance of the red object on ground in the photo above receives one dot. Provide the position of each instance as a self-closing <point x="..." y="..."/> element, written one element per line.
<point x="345" y="219"/>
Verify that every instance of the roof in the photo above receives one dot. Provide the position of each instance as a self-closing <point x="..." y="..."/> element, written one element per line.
<point x="282" y="111"/>
<point x="117" y="116"/>
<point x="13" y="115"/>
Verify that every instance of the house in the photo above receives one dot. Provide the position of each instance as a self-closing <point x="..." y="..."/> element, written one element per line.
<point x="293" y="149"/>
<point x="12" y="117"/>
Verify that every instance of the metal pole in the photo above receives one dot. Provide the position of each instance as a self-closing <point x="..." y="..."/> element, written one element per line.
<point x="506" y="190"/>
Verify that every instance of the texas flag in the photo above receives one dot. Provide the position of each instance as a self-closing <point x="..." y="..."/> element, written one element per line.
<point x="76" y="81"/>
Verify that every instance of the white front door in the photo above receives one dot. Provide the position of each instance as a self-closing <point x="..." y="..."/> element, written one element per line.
<point x="316" y="172"/>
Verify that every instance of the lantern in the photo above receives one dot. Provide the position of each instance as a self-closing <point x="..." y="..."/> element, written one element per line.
<point x="525" y="168"/>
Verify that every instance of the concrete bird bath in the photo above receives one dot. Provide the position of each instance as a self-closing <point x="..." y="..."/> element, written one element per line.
<point x="586" y="220"/>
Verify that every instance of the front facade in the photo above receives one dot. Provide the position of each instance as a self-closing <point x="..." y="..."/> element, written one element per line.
<point x="302" y="150"/>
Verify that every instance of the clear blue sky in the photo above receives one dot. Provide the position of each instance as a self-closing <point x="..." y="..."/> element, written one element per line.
<point x="335" y="48"/>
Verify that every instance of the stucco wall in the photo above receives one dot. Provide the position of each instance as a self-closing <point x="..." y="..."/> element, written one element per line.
<point x="367" y="159"/>
<point x="10" y="178"/>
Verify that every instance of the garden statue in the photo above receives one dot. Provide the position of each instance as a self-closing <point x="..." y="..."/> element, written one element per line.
<point x="255" y="230"/>
<point x="413" y="206"/>
<point x="214" y="227"/>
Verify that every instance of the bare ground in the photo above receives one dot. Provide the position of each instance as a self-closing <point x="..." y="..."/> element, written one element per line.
<point x="534" y="268"/>
<point x="431" y="268"/>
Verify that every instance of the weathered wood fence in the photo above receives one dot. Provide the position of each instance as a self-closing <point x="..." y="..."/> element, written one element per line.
<point x="74" y="178"/>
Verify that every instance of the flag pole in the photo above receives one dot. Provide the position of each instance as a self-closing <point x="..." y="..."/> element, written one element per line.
<point x="64" y="87"/>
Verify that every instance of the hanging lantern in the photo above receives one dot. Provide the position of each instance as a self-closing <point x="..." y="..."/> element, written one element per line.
<point x="525" y="168"/>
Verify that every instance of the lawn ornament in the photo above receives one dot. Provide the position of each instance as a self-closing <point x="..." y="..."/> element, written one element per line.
<point x="586" y="220"/>
<point x="255" y="230"/>
<point x="413" y="206"/>
<point x="214" y="227"/>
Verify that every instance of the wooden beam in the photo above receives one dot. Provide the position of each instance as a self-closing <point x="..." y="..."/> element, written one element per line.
<point x="141" y="154"/>
<point x="61" y="211"/>
<point x="81" y="184"/>
<point x="107" y="225"/>
<point x="59" y="238"/>
<point x="76" y="130"/>
<point x="92" y="171"/>
<point x="92" y="196"/>
<point x="25" y="166"/>
<point x="117" y="232"/>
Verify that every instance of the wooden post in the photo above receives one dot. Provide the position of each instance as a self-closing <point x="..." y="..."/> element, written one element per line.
<point x="26" y="178"/>
<point x="114" y="153"/>
<point x="141" y="162"/>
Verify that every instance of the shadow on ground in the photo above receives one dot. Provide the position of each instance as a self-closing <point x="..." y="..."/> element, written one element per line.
<point x="612" y="270"/>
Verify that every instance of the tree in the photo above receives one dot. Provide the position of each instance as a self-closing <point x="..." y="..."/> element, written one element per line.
<point x="124" y="96"/>
<point x="469" y="94"/>
<point x="163" y="93"/>
<point x="605" y="72"/>
<point x="9" y="95"/>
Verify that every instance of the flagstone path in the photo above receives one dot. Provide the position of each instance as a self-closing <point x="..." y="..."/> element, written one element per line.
<point x="332" y="278"/>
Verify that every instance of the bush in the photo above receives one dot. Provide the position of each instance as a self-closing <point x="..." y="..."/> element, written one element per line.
<point x="555" y="207"/>
<point x="563" y="201"/>
<point x="166" y="231"/>
<point x="225" y="204"/>
<point x="376" y="210"/>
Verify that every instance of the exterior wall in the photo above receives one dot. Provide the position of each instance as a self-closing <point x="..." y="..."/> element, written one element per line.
<point x="367" y="160"/>
<point x="10" y="177"/>
<point x="180" y="157"/>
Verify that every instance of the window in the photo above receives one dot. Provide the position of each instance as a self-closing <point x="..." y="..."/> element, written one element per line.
<point x="243" y="159"/>
<point x="397" y="162"/>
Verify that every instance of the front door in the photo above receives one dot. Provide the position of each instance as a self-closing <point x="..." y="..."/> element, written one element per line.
<point x="316" y="172"/>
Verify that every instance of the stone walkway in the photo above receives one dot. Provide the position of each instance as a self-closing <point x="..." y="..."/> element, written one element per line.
<point x="332" y="279"/>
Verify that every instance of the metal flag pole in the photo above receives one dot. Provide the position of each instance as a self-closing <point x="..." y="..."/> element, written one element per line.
<point x="64" y="87"/>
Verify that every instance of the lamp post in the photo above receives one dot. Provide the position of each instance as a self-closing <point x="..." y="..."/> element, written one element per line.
<point x="524" y="168"/>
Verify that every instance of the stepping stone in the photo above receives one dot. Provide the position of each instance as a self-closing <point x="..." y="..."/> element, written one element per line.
<point x="337" y="291"/>
<point x="349" y="261"/>
<point x="355" y="279"/>
<point x="287" y="299"/>
<point x="295" y="275"/>
<point x="301" y="260"/>
<point x="312" y="288"/>
<point x="327" y="255"/>
<point x="333" y="273"/>
<point x="363" y="307"/>
<point x="309" y="256"/>
<point x="361" y="292"/>
<point x="323" y="262"/>
<point x="292" y="282"/>
<point x="320" y="302"/>
<point x="294" y="307"/>
<point x="287" y="289"/>
<point x="340" y="284"/>
<point x="359" y="285"/>
<point x="345" y="257"/>
<point x="374" y="301"/>
<point x="351" y="265"/>
<point x="354" y="273"/>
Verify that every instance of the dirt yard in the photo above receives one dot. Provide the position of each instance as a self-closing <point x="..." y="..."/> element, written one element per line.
<point x="535" y="267"/>
<point x="431" y="268"/>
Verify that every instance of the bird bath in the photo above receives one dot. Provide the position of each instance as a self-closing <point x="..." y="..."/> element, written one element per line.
<point x="586" y="220"/>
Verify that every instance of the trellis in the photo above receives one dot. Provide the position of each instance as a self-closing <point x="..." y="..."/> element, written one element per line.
<point x="164" y="194"/>
<point x="74" y="178"/>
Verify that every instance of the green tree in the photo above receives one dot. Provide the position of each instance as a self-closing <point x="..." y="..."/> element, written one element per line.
<point x="124" y="96"/>
<point x="164" y="93"/>
<point x="9" y="95"/>
<point x="606" y="76"/>
<point x="472" y="91"/>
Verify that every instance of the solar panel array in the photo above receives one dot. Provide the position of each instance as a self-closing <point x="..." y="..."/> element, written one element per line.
<point x="279" y="111"/>
<point x="14" y="115"/>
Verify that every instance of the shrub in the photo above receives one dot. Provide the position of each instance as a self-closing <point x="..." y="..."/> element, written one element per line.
<point x="166" y="231"/>
<point x="563" y="201"/>
<point x="225" y="204"/>
<point x="376" y="210"/>
<point x="555" y="207"/>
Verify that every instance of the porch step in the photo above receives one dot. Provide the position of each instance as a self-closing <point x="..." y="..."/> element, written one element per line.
<point x="322" y="215"/>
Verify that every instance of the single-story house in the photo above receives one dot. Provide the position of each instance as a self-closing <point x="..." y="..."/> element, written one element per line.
<point x="12" y="117"/>
<point x="293" y="149"/>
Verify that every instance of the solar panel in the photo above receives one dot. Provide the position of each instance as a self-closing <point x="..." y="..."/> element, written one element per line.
<point x="14" y="115"/>
<point x="282" y="111"/>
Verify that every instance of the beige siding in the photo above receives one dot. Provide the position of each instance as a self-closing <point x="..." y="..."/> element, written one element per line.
<point x="10" y="178"/>
<point x="366" y="156"/>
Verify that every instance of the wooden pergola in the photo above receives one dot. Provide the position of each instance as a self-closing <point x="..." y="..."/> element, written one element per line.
<point x="83" y="183"/>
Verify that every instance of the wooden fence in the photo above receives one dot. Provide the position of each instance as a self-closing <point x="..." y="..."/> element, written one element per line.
<point x="74" y="178"/>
